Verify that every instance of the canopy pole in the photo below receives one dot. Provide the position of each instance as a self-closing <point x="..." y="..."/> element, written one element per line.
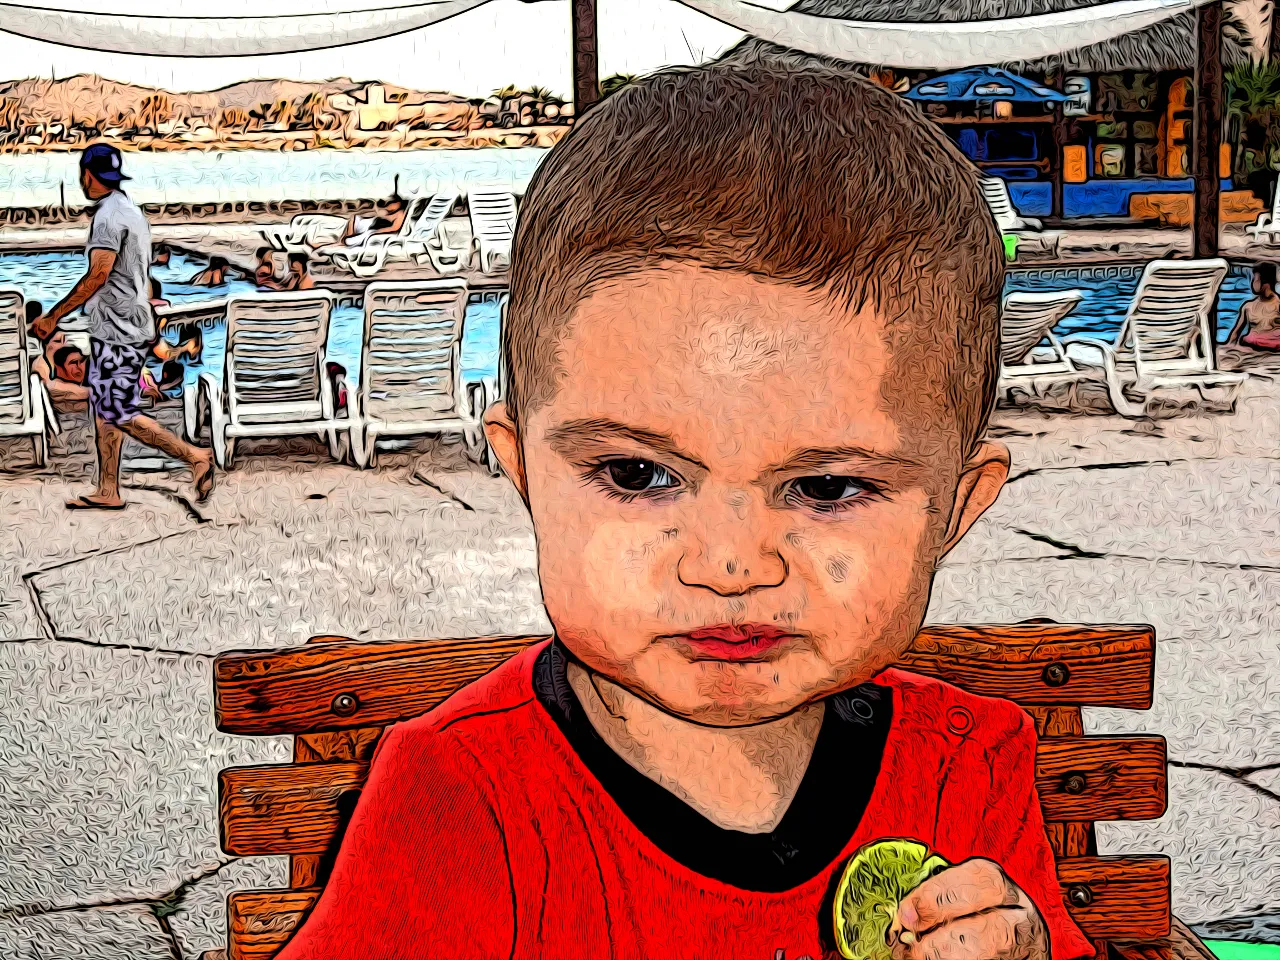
<point x="586" y="60"/>
<point x="1059" y="142"/>
<point x="1208" y="128"/>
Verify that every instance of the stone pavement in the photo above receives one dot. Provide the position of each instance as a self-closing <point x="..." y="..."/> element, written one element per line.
<point x="109" y="623"/>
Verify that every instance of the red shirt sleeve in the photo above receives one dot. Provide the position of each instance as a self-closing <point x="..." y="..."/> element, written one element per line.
<point x="422" y="870"/>
<point x="1009" y="830"/>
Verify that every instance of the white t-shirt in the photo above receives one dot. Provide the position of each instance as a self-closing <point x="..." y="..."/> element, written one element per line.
<point x="121" y="311"/>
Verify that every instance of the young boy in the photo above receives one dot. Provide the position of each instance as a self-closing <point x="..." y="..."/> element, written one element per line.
<point x="70" y="365"/>
<point x="745" y="407"/>
<point x="1260" y="317"/>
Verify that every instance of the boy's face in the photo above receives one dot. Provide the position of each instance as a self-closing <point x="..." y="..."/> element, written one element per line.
<point x="72" y="369"/>
<point x="730" y="522"/>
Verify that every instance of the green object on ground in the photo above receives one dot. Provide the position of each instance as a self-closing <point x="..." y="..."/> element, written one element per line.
<point x="1010" y="246"/>
<point x="1243" y="950"/>
<point x="874" y="882"/>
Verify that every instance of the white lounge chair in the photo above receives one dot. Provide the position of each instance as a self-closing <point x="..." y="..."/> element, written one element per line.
<point x="493" y="224"/>
<point x="996" y="192"/>
<point x="1268" y="225"/>
<point x="421" y="225"/>
<point x="1166" y="340"/>
<point x="305" y="231"/>
<point x="25" y="407"/>
<point x="274" y="381"/>
<point x="1026" y="322"/>
<point x="410" y="369"/>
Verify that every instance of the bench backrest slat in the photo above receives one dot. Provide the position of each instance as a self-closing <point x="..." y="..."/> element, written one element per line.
<point x="340" y="684"/>
<point x="299" y="808"/>
<point x="1128" y="900"/>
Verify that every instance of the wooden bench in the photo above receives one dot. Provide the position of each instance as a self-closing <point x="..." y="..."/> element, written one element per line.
<point x="335" y="696"/>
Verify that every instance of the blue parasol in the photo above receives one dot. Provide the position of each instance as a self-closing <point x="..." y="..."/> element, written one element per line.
<point x="982" y="84"/>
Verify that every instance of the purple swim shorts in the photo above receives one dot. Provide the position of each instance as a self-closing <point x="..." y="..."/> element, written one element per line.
<point x="115" y="370"/>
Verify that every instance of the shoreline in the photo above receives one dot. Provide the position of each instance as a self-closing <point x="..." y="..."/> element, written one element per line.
<point x="386" y="141"/>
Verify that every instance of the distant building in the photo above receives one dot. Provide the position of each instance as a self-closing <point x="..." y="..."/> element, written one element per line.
<point x="1127" y="128"/>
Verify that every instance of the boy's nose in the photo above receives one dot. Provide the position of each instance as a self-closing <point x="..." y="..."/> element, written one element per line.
<point x="728" y="547"/>
<point x="730" y="575"/>
<point x="730" y="570"/>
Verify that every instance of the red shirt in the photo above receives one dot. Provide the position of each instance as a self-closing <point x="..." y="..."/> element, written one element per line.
<point x="481" y="833"/>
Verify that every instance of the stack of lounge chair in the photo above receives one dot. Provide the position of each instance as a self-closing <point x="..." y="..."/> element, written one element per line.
<point x="1166" y="341"/>
<point x="25" y="407"/>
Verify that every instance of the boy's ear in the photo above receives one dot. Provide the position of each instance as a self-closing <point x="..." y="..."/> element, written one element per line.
<point x="504" y="440"/>
<point x="980" y="483"/>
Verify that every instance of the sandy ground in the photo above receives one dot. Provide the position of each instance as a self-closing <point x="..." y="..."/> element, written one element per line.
<point x="109" y="623"/>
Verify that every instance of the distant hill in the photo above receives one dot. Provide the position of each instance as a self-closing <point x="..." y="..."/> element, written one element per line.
<point x="90" y="101"/>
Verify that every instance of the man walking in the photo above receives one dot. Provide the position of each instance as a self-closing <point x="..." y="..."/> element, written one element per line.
<point x="116" y="298"/>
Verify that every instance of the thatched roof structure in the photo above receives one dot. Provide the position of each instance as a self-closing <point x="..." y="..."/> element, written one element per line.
<point x="1169" y="45"/>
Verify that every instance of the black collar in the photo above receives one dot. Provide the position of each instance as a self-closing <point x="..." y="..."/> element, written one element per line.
<point x="827" y="808"/>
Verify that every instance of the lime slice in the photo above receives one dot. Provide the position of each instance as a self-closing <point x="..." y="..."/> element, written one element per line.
<point x="875" y="881"/>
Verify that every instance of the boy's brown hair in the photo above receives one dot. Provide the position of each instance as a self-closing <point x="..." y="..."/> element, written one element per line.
<point x="810" y="176"/>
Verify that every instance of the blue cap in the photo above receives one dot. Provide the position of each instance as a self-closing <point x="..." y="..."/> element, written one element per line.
<point x="103" y="161"/>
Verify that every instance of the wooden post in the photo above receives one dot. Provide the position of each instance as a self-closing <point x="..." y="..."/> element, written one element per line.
<point x="586" y="59"/>
<point x="1208" y="128"/>
<point x="1059" y="141"/>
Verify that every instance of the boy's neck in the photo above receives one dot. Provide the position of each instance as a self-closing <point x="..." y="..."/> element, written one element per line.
<point x="739" y="778"/>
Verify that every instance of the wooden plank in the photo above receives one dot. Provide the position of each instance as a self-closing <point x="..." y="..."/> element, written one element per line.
<point x="343" y="684"/>
<point x="300" y="808"/>
<point x="1117" y="898"/>
<point x="1057" y="721"/>
<point x="1045" y="664"/>
<point x="286" y="809"/>
<point x="1070" y="839"/>
<point x="1130" y="899"/>
<point x="1101" y="778"/>
<point x="260" y="922"/>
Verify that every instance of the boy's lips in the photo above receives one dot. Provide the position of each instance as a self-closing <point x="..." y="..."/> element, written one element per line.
<point x="726" y="641"/>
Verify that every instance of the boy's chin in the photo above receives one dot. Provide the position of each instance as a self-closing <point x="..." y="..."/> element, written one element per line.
<point x="735" y="694"/>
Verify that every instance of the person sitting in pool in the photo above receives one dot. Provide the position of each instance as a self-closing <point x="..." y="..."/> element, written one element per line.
<point x="161" y="256"/>
<point x="64" y="393"/>
<point x="299" y="276"/>
<point x="359" y="229"/>
<point x="70" y="365"/>
<point x="214" y="275"/>
<point x="1259" y="320"/>
<point x="264" y="274"/>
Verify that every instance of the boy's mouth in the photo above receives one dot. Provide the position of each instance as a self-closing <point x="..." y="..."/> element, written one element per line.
<point x="734" y="642"/>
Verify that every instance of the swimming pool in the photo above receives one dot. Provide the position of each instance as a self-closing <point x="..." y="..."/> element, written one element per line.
<point x="48" y="276"/>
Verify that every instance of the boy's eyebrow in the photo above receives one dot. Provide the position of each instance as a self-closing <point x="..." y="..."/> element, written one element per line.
<point x="815" y="457"/>
<point x="585" y="431"/>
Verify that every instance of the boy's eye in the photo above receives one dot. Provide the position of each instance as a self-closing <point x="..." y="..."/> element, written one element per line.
<point x="639" y="476"/>
<point x="829" y="490"/>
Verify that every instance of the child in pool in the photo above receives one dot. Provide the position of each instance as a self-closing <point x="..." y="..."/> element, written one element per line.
<point x="1259" y="320"/>
<point x="746" y="408"/>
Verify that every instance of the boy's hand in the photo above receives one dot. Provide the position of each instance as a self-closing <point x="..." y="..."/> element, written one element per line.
<point x="971" y="911"/>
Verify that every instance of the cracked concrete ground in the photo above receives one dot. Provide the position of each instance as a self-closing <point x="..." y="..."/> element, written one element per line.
<point x="109" y="623"/>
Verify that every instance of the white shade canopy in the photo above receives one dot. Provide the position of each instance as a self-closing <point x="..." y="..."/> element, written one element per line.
<point x="943" y="45"/>
<point x="155" y="36"/>
<point x="937" y="46"/>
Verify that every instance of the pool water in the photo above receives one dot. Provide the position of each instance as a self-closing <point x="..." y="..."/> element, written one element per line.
<point x="1109" y="289"/>
<point x="48" y="277"/>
